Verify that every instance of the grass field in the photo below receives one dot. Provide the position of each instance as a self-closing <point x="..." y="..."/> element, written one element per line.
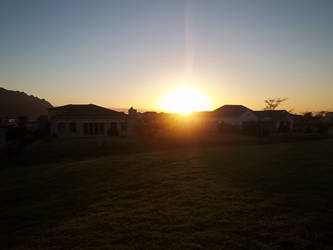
<point x="277" y="196"/>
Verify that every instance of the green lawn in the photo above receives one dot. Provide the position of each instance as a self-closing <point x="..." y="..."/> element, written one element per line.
<point x="274" y="196"/>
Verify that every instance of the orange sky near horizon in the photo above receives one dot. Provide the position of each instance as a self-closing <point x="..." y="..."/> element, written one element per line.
<point x="150" y="99"/>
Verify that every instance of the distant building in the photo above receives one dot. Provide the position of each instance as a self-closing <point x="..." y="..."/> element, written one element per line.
<point x="276" y="120"/>
<point x="87" y="121"/>
<point x="239" y="116"/>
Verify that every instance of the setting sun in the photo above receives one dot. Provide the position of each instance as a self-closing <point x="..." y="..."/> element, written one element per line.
<point x="184" y="99"/>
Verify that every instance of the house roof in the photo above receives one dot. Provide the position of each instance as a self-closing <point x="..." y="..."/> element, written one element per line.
<point x="272" y="114"/>
<point x="232" y="111"/>
<point x="84" y="111"/>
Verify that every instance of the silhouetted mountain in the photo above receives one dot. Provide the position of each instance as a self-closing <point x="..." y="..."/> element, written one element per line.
<point x="16" y="103"/>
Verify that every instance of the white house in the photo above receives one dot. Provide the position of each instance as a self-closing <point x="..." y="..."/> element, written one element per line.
<point x="87" y="121"/>
<point x="280" y="120"/>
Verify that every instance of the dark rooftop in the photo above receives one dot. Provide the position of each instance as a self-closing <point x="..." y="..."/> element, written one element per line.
<point x="231" y="110"/>
<point x="85" y="111"/>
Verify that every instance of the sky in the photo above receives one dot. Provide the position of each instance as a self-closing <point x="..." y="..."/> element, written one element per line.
<point x="126" y="53"/>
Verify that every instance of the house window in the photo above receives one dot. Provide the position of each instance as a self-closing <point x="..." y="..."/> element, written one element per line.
<point x="86" y="128"/>
<point x="113" y="131"/>
<point x="101" y="128"/>
<point x="72" y="127"/>
<point x="96" y="129"/>
<point x="61" y="127"/>
<point x="91" y="128"/>
<point x="123" y="126"/>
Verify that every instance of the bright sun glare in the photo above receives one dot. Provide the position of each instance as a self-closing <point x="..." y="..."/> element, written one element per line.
<point x="184" y="99"/>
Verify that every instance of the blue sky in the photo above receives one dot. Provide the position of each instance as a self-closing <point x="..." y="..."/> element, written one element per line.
<point x="122" y="53"/>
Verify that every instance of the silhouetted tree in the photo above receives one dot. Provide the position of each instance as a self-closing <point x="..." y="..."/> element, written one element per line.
<point x="273" y="103"/>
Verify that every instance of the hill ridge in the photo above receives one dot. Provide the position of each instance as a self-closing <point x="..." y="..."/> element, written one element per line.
<point x="17" y="103"/>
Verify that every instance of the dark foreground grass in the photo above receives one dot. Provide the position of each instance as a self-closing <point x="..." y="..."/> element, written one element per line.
<point x="242" y="197"/>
